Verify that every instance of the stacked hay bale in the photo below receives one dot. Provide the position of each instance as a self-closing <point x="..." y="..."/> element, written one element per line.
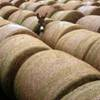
<point x="55" y="30"/>
<point x="50" y="74"/>
<point x="90" y="22"/>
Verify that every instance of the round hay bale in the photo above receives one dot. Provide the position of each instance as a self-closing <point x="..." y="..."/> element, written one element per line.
<point x="13" y="29"/>
<point x="34" y="6"/>
<point x="24" y="5"/>
<point x="77" y="42"/>
<point x="20" y="15"/>
<point x="2" y="4"/>
<point x="55" y="30"/>
<point x="31" y="23"/>
<point x="70" y="16"/>
<point x="91" y="3"/>
<point x="50" y="74"/>
<point x="71" y="5"/>
<point x="17" y="2"/>
<point x="6" y="11"/>
<point x="89" y="91"/>
<point x="46" y="10"/>
<point x="3" y="22"/>
<point x="48" y="2"/>
<point x="13" y="52"/>
<point x="93" y="56"/>
<point x="91" y="22"/>
<point x="89" y="10"/>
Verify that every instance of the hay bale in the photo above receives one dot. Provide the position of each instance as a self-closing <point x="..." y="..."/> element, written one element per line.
<point x="71" y="5"/>
<point x="2" y="4"/>
<point x="6" y="11"/>
<point x="34" y="6"/>
<point x="49" y="10"/>
<point x="13" y="29"/>
<point x="24" y="5"/>
<point x="31" y="23"/>
<point x="89" y="91"/>
<point x="3" y="22"/>
<point x="77" y="42"/>
<point x="17" y="2"/>
<point x="70" y="16"/>
<point x="20" y="15"/>
<point x="50" y="74"/>
<point x="91" y="3"/>
<point x="89" y="10"/>
<point x="93" y="56"/>
<point x="55" y="30"/>
<point x="13" y="52"/>
<point x="91" y="22"/>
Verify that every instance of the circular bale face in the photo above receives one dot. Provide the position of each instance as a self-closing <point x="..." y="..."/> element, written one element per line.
<point x="89" y="91"/>
<point x="17" y="2"/>
<point x="31" y="23"/>
<point x="90" y="22"/>
<point x="70" y="16"/>
<point x="13" y="29"/>
<point x="89" y="10"/>
<point x="77" y="42"/>
<point x="46" y="10"/>
<point x="20" y="15"/>
<point x="13" y="52"/>
<point x="93" y="56"/>
<point x="50" y="74"/>
<point x="6" y="11"/>
<point x="3" y="22"/>
<point x="55" y="30"/>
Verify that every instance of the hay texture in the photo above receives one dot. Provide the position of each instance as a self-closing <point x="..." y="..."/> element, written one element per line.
<point x="89" y="91"/>
<point x="13" y="52"/>
<point x="70" y="16"/>
<point x="77" y="42"/>
<point x="55" y="30"/>
<point x="6" y="11"/>
<point x="91" y="22"/>
<point x="13" y="29"/>
<point x="89" y="10"/>
<point x="50" y="74"/>
<point x="20" y="15"/>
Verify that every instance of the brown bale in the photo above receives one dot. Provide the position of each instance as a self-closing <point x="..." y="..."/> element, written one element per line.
<point x="70" y="16"/>
<point x="91" y="3"/>
<point x="13" y="52"/>
<point x="46" y="10"/>
<point x="50" y="74"/>
<point x="13" y="29"/>
<point x="71" y="5"/>
<point x="31" y="23"/>
<point x="34" y="6"/>
<point x="17" y="2"/>
<point x="77" y="42"/>
<point x="89" y="10"/>
<point x="93" y="56"/>
<point x="55" y="30"/>
<point x="3" y="22"/>
<point x="20" y="15"/>
<point x="91" y="22"/>
<point x="2" y="4"/>
<point x="89" y="91"/>
<point x="24" y="5"/>
<point x="6" y="11"/>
